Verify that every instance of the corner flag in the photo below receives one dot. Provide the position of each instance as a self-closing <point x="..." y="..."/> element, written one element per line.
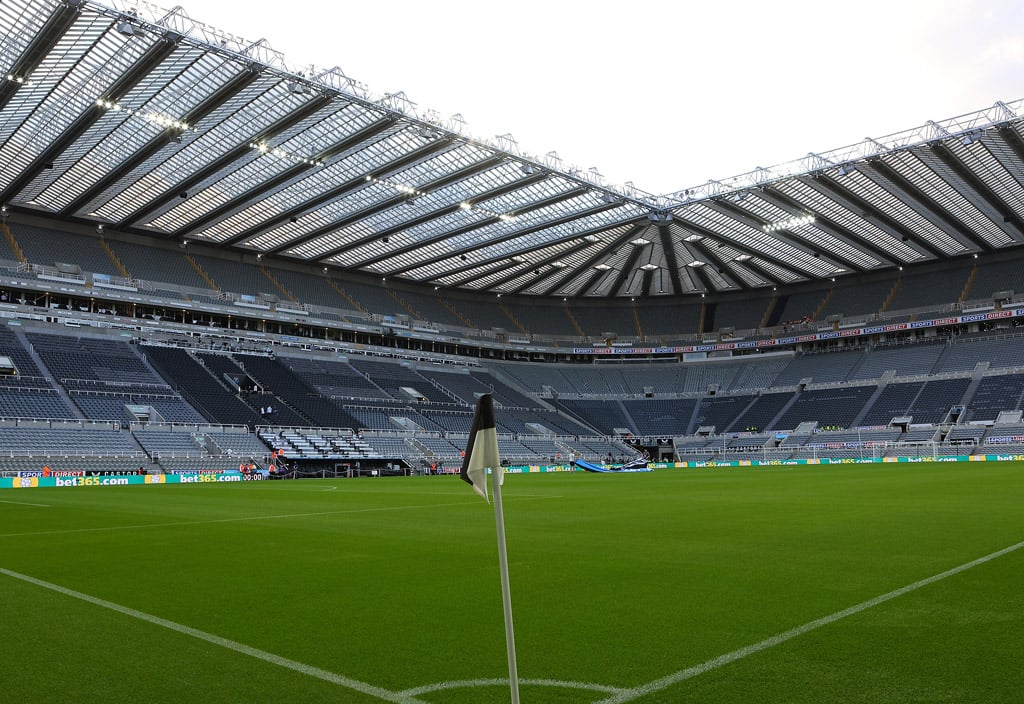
<point x="482" y="448"/>
<point x="481" y="455"/>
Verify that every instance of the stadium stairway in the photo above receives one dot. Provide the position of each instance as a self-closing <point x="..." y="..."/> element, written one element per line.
<point x="940" y="362"/>
<point x="883" y="382"/>
<point x="979" y="374"/>
<point x="691" y="424"/>
<point x="61" y="391"/>
<point x="782" y="412"/>
<point x="625" y="412"/>
<point x="732" y="424"/>
<point x="860" y="362"/>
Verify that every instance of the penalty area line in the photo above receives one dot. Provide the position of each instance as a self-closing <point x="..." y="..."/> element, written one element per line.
<point x="722" y="660"/>
<point x="242" y="648"/>
<point x="25" y="503"/>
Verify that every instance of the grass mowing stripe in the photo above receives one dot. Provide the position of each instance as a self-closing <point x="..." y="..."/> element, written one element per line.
<point x="334" y="678"/>
<point x="174" y="524"/>
<point x="721" y="660"/>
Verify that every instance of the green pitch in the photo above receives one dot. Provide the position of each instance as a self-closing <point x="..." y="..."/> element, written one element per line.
<point x="625" y="588"/>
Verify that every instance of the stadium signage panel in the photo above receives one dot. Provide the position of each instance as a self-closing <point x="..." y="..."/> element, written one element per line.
<point x="38" y="481"/>
<point x="813" y="337"/>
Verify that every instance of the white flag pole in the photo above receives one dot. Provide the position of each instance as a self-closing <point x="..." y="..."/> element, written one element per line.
<point x="506" y="592"/>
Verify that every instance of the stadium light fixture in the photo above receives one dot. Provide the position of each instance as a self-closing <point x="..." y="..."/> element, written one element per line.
<point x="264" y="148"/>
<point x="151" y="116"/>
<point x="124" y="27"/>
<point x="792" y="223"/>
<point x="602" y="267"/>
<point x="649" y="266"/>
<point x="466" y="205"/>
<point x="640" y="241"/>
<point x="402" y="188"/>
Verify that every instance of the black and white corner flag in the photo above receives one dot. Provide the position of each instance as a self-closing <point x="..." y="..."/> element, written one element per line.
<point x="482" y="448"/>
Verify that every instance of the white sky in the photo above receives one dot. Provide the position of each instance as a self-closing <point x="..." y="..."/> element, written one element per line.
<point x="667" y="94"/>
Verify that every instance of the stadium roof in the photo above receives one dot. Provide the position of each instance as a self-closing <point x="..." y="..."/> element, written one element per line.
<point x="143" y="120"/>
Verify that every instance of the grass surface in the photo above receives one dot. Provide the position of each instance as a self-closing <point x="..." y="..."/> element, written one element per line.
<point x="617" y="580"/>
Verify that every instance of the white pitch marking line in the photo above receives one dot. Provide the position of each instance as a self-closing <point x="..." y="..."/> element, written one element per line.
<point x="25" y="503"/>
<point x="722" y="660"/>
<point x="495" y="682"/>
<point x="334" y="678"/>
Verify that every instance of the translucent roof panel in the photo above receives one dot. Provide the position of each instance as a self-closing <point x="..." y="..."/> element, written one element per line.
<point x="863" y="229"/>
<point x="729" y="229"/>
<point x="873" y="187"/>
<point x="994" y="161"/>
<point x="937" y="180"/>
<point x="178" y="130"/>
<point x="233" y="124"/>
<point x="815" y="237"/>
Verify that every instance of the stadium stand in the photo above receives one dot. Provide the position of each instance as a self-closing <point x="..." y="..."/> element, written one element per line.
<point x="995" y="394"/>
<point x="180" y="323"/>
